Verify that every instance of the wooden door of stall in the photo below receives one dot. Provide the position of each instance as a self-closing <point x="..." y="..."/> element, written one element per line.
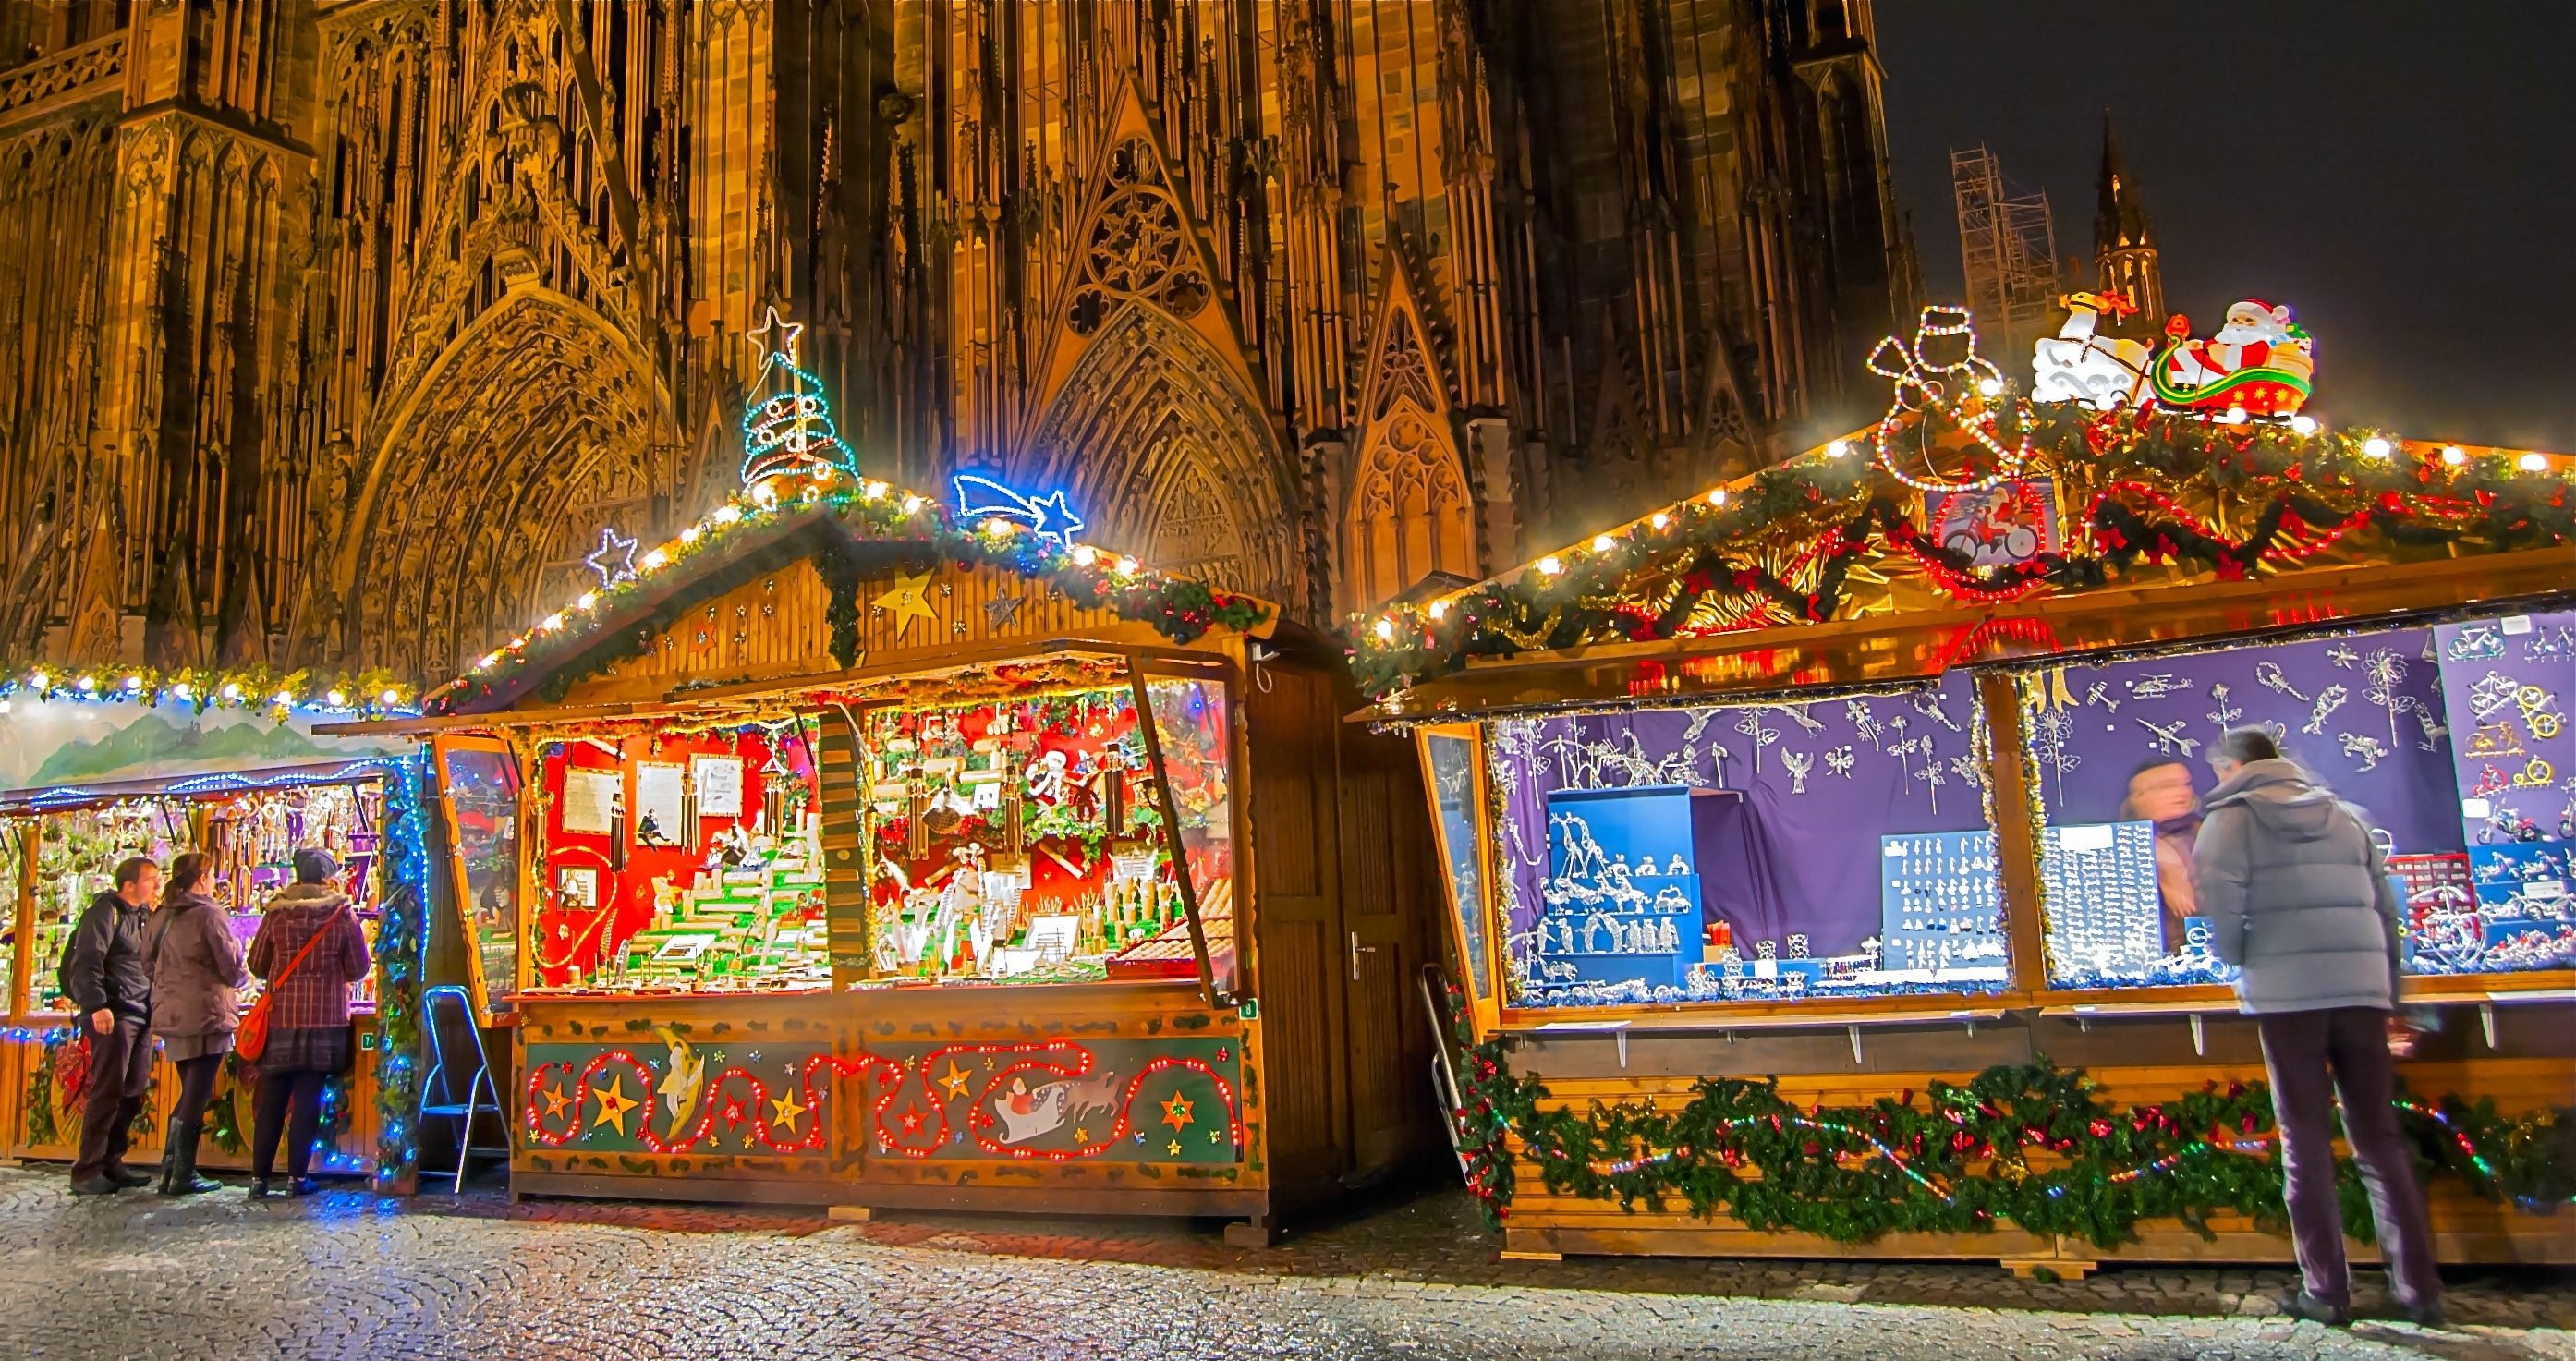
<point x="1297" y="913"/>
<point x="1385" y="847"/>
<point x="1339" y="865"/>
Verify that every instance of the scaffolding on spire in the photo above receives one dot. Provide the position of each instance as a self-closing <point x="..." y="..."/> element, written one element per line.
<point x="2007" y="251"/>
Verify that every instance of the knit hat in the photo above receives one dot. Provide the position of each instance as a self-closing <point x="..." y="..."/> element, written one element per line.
<point x="314" y="865"/>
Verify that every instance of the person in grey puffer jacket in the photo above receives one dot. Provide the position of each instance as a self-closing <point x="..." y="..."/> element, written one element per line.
<point x="2298" y="897"/>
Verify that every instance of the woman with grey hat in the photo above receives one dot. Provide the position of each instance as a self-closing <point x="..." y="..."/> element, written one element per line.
<point x="308" y="1033"/>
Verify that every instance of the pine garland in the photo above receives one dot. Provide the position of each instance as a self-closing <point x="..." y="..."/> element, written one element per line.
<point x="1179" y="609"/>
<point x="1778" y="550"/>
<point x="2034" y="1146"/>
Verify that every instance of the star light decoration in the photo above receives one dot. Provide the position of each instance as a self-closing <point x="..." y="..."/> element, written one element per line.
<point x="981" y="500"/>
<point x="614" y="559"/>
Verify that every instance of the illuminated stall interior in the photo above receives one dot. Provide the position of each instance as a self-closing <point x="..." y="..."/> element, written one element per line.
<point x="1887" y="763"/>
<point x="681" y="860"/>
<point x="1012" y="817"/>
<point x="251" y="826"/>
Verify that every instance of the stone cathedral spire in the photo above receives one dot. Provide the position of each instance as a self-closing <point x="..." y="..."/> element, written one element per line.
<point x="2124" y="244"/>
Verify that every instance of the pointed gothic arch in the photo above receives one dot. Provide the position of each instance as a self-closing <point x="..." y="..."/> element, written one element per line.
<point x="1156" y="438"/>
<point x="491" y="483"/>
<point x="1409" y="513"/>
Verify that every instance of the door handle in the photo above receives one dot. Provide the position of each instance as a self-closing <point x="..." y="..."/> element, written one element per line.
<point x="1357" y="950"/>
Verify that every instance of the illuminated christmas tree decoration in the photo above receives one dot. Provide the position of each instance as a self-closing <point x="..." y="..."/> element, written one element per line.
<point x="614" y="559"/>
<point x="787" y="427"/>
<point x="980" y="497"/>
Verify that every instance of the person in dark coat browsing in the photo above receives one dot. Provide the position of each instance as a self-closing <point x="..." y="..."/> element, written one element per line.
<point x="308" y="1035"/>
<point x="2297" y="896"/>
<point x="111" y="990"/>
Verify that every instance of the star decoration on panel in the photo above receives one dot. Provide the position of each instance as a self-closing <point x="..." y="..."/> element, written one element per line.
<point x="614" y="559"/>
<point x="983" y="501"/>
<point x="954" y="1081"/>
<point x="908" y="599"/>
<point x="785" y="1111"/>
<point x="1176" y="1112"/>
<point x="614" y="1103"/>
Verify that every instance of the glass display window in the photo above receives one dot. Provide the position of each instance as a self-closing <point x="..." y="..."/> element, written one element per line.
<point x="1450" y="762"/>
<point x="681" y="861"/>
<point x="1771" y="852"/>
<point x="1031" y="838"/>
<point x="483" y="789"/>
<point x="77" y="852"/>
<point x="2506" y="683"/>
<point x="2434" y="734"/>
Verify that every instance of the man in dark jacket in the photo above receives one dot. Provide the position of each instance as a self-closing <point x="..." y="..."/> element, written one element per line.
<point x="111" y="988"/>
<point x="2297" y="896"/>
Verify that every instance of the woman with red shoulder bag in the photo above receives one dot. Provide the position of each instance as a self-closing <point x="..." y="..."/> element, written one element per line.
<point x="309" y="949"/>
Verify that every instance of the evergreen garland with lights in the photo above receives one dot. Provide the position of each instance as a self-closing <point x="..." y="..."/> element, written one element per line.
<point x="402" y="939"/>
<point x="1749" y="548"/>
<point x="279" y="692"/>
<point x="2034" y="1146"/>
<point x="872" y="514"/>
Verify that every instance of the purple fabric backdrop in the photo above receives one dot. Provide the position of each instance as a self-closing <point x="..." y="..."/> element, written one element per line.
<point x="1820" y="797"/>
<point x="2381" y="745"/>
<point x="2487" y="673"/>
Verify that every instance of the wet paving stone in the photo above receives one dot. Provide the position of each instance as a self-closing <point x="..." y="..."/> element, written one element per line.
<point x="346" y="1274"/>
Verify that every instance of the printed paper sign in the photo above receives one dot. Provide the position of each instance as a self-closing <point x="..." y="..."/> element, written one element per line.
<point x="591" y="799"/>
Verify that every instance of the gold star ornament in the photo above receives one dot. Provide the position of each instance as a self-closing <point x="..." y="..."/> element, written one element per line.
<point x="953" y="1081"/>
<point x="908" y="600"/>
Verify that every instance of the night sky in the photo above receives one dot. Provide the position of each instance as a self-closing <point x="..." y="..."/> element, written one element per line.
<point x="2397" y="173"/>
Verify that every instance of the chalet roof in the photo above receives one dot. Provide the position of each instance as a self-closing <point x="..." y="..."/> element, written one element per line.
<point x="825" y="518"/>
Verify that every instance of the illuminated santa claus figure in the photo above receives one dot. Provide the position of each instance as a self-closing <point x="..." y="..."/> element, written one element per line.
<point x="2259" y="363"/>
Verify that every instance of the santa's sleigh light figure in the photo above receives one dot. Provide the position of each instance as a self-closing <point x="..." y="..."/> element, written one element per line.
<point x="2261" y="363"/>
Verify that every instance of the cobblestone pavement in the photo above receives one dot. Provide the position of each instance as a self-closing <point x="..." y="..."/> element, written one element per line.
<point x="348" y="1275"/>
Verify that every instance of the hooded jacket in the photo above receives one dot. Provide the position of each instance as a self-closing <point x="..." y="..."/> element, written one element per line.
<point x="103" y="966"/>
<point x="2296" y="894"/>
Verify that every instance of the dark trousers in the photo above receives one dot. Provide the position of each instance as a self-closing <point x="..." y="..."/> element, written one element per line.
<point x="2314" y="1056"/>
<point x="277" y="1091"/>
<point x="196" y="1087"/>
<point x="120" y="1073"/>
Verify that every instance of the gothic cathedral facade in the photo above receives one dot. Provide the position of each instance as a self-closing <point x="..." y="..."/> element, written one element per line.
<point x="333" y="332"/>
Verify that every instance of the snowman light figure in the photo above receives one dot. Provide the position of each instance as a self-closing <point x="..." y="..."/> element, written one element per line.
<point x="1952" y="393"/>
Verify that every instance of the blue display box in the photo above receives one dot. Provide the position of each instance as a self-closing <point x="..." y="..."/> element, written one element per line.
<point x="1622" y="901"/>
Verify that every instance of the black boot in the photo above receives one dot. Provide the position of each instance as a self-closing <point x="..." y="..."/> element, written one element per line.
<point x="179" y="1166"/>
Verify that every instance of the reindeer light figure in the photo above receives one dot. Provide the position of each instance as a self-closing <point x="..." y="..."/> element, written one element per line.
<point x="2076" y="365"/>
